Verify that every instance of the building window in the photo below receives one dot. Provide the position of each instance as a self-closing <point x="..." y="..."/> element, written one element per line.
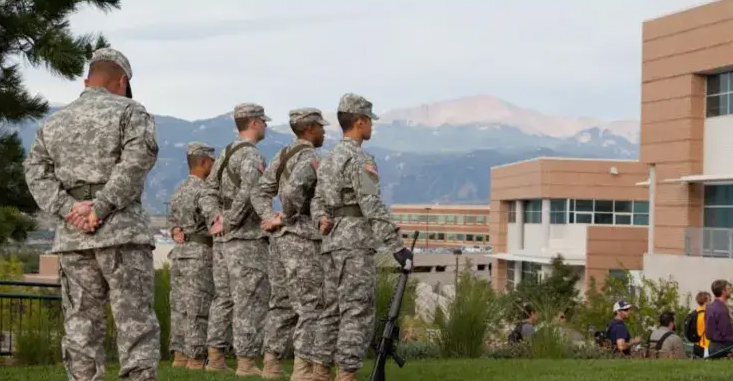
<point x="441" y="219"/>
<point x="510" y="270"/>
<point x="471" y="220"/>
<point x="718" y="95"/>
<point x="512" y="212"/>
<point x="450" y="219"/>
<point x="531" y="271"/>
<point x="533" y="211"/>
<point x="459" y="219"/>
<point x="641" y="213"/>
<point x="718" y="212"/>
<point x="480" y="220"/>
<point x="441" y="236"/>
<point x="558" y="211"/>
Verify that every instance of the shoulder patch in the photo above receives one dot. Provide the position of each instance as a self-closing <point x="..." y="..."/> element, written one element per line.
<point x="372" y="168"/>
<point x="261" y="167"/>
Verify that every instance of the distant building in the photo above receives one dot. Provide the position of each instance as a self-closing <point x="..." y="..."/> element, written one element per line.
<point x="590" y="212"/>
<point x="444" y="227"/>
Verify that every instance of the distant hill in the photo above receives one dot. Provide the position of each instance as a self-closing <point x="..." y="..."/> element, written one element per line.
<point x="440" y="152"/>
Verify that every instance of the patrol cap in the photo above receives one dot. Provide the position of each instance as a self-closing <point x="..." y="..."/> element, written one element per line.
<point x="307" y="114"/>
<point x="119" y="59"/>
<point x="200" y="149"/>
<point x="356" y="104"/>
<point x="250" y="110"/>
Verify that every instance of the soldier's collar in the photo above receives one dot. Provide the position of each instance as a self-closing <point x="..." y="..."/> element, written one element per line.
<point x="303" y="141"/>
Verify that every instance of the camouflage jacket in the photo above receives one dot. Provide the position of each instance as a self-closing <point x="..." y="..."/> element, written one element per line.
<point x="103" y="139"/>
<point x="295" y="190"/>
<point x="348" y="177"/>
<point x="239" y="218"/>
<point x="193" y="208"/>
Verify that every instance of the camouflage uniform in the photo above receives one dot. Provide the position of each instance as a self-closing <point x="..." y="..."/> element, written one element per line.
<point x="244" y="244"/>
<point x="101" y="148"/>
<point x="194" y="207"/>
<point x="295" y="271"/>
<point x="348" y="194"/>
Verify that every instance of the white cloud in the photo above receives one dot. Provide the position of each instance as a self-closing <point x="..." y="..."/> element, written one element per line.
<point x="199" y="59"/>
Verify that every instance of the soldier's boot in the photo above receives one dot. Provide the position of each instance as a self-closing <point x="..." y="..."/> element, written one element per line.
<point x="273" y="369"/>
<point x="302" y="370"/>
<point x="195" y="364"/>
<point x="342" y="375"/>
<point x="179" y="360"/>
<point x="246" y="367"/>
<point x="320" y="373"/>
<point x="217" y="361"/>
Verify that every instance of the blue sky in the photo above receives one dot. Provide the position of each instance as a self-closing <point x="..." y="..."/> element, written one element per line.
<point x="197" y="59"/>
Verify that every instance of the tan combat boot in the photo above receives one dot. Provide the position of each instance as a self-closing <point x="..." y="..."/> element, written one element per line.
<point x="246" y="367"/>
<point x="342" y="375"/>
<point x="320" y="373"/>
<point x="217" y="361"/>
<point x="302" y="370"/>
<point x="179" y="360"/>
<point x="273" y="369"/>
<point x="195" y="364"/>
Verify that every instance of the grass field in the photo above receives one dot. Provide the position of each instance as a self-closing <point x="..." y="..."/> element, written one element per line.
<point x="461" y="370"/>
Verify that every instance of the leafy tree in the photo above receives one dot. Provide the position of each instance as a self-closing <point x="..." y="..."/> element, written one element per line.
<point x="37" y="31"/>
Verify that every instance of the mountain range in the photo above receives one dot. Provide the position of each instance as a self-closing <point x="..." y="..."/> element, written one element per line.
<point x="432" y="153"/>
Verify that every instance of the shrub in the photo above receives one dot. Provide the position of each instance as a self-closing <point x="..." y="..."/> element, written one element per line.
<point x="415" y="350"/>
<point x="38" y="334"/>
<point x="474" y="309"/>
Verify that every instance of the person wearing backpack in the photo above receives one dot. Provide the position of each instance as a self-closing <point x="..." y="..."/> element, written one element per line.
<point x="694" y="326"/>
<point x="664" y="342"/>
<point x="525" y="328"/>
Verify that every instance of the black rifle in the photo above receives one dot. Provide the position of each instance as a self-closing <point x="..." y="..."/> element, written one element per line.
<point x="387" y="346"/>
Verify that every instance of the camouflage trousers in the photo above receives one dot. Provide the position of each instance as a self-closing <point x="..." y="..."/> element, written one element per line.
<point x="192" y="290"/>
<point x="219" y="332"/>
<point x="346" y="325"/>
<point x="124" y="276"/>
<point x="250" y="292"/>
<point x="296" y="279"/>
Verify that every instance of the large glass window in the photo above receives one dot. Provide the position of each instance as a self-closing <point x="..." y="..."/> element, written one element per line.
<point x="510" y="270"/>
<point x="718" y="211"/>
<point x="719" y="95"/>
<point x="608" y="212"/>
<point x="531" y="271"/>
<point x="559" y="211"/>
<point x="533" y="211"/>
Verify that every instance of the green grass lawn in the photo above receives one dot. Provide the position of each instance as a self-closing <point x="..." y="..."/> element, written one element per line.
<point x="455" y="370"/>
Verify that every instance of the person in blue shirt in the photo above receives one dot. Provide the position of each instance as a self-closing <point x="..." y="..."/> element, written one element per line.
<point x="617" y="332"/>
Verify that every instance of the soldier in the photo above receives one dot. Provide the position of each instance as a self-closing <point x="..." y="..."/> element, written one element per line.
<point x="194" y="208"/>
<point x="88" y="165"/>
<point x="294" y="269"/>
<point x="244" y="243"/>
<point x="349" y="212"/>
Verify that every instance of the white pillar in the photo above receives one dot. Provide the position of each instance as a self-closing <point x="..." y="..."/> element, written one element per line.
<point x="652" y="196"/>
<point x="520" y="224"/>
<point x="545" y="224"/>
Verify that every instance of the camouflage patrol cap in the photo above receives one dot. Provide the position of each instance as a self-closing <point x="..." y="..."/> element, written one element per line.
<point x="199" y="149"/>
<point x="307" y="114"/>
<point x="356" y="104"/>
<point x="116" y="57"/>
<point x="250" y="110"/>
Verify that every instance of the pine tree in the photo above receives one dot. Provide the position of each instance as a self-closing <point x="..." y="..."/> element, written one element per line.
<point x="38" y="32"/>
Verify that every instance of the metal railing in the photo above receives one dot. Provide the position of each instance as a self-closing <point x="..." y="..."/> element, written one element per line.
<point x="35" y="315"/>
<point x="709" y="242"/>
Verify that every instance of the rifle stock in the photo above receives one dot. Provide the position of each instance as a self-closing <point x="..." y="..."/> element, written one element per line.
<point x="391" y="334"/>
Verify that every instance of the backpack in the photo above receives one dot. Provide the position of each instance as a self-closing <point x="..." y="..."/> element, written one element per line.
<point x="689" y="327"/>
<point x="658" y="345"/>
<point x="515" y="335"/>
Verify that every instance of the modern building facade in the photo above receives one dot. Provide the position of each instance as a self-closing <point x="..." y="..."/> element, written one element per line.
<point x="687" y="144"/>
<point x="590" y="212"/>
<point x="463" y="227"/>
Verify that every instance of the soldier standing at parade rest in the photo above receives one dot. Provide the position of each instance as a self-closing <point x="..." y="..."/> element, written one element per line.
<point x="294" y="269"/>
<point x="348" y="210"/>
<point x="88" y="165"/>
<point x="194" y="207"/>
<point x="244" y="243"/>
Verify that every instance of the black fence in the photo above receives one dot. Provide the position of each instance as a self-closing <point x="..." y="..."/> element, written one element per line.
<point x="30" y="309"/>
